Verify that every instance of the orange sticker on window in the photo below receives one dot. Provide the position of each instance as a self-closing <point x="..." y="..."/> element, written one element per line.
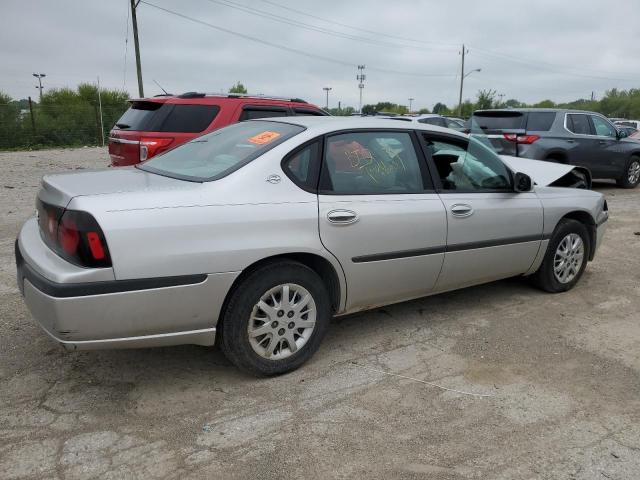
<point x="264" y="137"/>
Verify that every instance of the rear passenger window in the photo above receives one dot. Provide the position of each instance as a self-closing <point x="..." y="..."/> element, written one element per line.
<point x="253" y="113"/>
<point x="189" y="118"/>
<point x="540" y="121"/>
<point x="578" y="123"/>
<point x="302" y="166"/>
<point x="371" y="163"/>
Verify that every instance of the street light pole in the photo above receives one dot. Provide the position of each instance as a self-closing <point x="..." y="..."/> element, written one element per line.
<point x="327" y="90"/>
<point x="410" y="102"/>
<point x="39" y="76"/>
<point x="462" y="77"/>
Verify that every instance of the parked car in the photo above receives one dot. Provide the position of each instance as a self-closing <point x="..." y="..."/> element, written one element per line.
<point x="627" y="130"/>
<point x="263" y="230"/>
<point x="576" y="137"/>
<point x="153" y="125"/>
<point x="432" y="119"/>
<point x="635" y="124"/>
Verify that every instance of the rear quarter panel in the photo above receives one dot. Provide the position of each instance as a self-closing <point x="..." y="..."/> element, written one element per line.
<point x="213" y="227"/>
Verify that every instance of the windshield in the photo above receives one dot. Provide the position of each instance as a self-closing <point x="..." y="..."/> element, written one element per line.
<point x="219" y="153"/>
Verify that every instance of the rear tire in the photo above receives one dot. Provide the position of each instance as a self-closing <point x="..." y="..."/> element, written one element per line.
<point x="265" y="333"/>
<point x="565" y="259"/>
<point x="631" y="176"/>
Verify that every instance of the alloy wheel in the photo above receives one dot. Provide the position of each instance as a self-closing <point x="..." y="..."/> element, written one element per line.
<point x="282" y="321"/>
<point x="634" y="172"/>
<point x="568" y="258"/>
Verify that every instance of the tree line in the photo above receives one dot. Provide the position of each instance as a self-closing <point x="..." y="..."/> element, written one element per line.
<point x="67" y="117"/>
<point x="64" y="117"/>
<point x="614" y="103"/>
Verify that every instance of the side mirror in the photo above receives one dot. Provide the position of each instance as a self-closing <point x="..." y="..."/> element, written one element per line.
<point x="622" y="134"/>
<point x="522" y="182"/>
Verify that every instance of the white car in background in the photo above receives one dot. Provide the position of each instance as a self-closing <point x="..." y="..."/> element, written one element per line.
<point x="432" y="119"/>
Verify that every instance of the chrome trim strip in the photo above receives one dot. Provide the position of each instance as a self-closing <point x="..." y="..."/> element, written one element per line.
<point x="123" y="140"/>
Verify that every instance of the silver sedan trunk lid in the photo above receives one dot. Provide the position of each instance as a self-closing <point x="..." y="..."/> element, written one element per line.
<point x="58" y="189"/>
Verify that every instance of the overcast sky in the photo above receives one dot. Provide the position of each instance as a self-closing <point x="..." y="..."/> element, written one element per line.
<point x="533" y="50"/>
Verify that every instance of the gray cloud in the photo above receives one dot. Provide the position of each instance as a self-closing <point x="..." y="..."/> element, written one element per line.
<point x="530" y="51"/>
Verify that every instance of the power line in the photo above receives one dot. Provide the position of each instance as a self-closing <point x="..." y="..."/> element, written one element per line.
<point x="523" y="61"/>
<point x="372" y="32"/>
<point x="289" y="49"/>
<point x="308" y="26"/>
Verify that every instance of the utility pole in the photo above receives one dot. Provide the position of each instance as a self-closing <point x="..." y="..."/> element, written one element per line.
<point x="134" y="20"/>
<point x="593" y="96"/>
<point x="101" y="121"/>
<point x="361" y="78"/>
<point x="33" y="120"/>
<point x="39" y="76"/>
<point x="461" y="82"/>
<point x="327" y="90"/>
<point x="410" y="102"/>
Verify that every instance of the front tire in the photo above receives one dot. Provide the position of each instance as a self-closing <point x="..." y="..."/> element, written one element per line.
<point x="275" y="319"/>
<point x="631" y="176"/>
<point x="565" y="259"/>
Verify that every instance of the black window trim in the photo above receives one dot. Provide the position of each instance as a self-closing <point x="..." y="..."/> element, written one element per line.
<point x="229" y="171"/>
<point x="315" y="173"/>
<point x="426" y="176"/>
<point x="434" y="171"/>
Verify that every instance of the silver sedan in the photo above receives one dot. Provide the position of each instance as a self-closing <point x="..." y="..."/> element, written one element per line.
<point x="257" y="234"/>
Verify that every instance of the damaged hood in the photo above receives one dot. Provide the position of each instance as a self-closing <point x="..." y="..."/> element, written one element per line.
<point x="546" y="174"/>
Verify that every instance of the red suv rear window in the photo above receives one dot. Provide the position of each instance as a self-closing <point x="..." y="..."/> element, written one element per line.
<point x="144" y="116"/>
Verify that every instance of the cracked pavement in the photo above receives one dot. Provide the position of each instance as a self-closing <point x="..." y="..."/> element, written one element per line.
<point x="563" y="372"/>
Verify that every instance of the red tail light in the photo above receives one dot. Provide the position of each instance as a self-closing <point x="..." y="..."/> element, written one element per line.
<point x="150" y="146"/>
<point x="74" y="235"/>
<point x="523" y="139"/>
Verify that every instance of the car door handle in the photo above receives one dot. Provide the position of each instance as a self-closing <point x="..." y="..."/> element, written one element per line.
<point x="571" y="141"/>
<point x="342" y="216"/>
<point x="461" y="210"/>
<point x="602" y="142"/>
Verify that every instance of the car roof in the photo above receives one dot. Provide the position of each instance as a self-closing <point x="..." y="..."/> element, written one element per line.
<point x="533" y="109"/>
<point x="328" y="124"/>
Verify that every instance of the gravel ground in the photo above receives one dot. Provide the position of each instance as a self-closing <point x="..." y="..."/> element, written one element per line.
<point x="562" y="372"/>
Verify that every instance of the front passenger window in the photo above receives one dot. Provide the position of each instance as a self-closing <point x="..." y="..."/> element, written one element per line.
<point x="603" y="128"/>
<point x="468" y="167"/>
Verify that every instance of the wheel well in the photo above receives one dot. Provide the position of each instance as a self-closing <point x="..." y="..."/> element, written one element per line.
<point x="588" y="221"/>
<point x="559" y="157"/>
<point x="321" y="266"/>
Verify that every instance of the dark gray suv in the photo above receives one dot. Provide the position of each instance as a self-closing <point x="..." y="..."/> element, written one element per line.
<point x="577" y="137"/>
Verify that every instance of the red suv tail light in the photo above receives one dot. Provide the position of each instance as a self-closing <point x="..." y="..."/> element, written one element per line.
<point x="150" y="146"/>
<point x="523" y="139"/>
<point x="74" y="235"/>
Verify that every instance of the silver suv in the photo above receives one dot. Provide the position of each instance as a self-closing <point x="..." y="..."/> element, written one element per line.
<point x="575" y="137"/>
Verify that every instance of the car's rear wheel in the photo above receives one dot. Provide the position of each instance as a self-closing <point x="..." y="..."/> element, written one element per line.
<point x="631" y="177"/>
<point x="565" y="259"/>
<point x="275" y="319"/>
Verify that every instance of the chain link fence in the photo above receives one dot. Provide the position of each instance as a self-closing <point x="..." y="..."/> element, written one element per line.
<point x="46" y="126"/>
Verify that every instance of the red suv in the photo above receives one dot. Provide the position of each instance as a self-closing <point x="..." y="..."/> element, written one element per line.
<point x="153" y="125"/>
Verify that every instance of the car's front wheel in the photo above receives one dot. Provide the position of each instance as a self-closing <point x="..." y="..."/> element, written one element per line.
<point x="275" y="319"/>
<point x="631" y="177"/>
<point x="565" y="259"/>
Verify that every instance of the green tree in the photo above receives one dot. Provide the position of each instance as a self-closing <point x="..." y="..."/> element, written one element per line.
<point x="486" y="99"/>
<point x="238" y="88"/>
<point x="545" y="104"/>
<point x="440" y="109"/>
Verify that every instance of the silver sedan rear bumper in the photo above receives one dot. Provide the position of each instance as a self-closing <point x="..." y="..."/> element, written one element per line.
<point x="118" y="313"/>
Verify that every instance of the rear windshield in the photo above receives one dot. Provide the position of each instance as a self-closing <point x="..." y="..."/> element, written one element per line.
<point x="167" y="117"/>
<point x="498" y="121"/>
<point x="219" y="153"/>
<point x="540" y="121"/>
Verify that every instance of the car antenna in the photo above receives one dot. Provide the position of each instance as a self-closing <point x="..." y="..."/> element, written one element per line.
<point x="165" y="92"/>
